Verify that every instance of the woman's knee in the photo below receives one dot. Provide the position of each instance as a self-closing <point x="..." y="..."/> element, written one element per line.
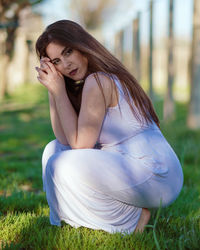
<point x="56" y="167"/>
<point x="52" y="148"/>
<point x="64" y="165"/>
<point x="48" y="151"/>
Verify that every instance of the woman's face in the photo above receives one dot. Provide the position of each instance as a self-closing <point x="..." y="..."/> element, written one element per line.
<point x="68" y="62"/>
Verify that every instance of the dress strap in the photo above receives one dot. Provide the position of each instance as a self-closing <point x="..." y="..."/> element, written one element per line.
<point x="118" y="83"/>
<point x="119" y="87"/>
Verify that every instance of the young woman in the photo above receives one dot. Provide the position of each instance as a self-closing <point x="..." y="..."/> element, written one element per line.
<point x="109" y="162"/>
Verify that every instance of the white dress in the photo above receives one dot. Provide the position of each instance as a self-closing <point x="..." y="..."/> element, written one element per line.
<point x="106" y="188"/>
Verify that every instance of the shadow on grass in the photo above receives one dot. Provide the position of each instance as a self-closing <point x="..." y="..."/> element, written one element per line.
<point x="39" y="234"/>
<point x="25" y="130"/>
<point x="177" y="226"/>
<point x="22" y="202"/>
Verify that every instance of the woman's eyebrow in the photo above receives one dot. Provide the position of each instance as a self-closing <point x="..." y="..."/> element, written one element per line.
<point x="62" y="52"/>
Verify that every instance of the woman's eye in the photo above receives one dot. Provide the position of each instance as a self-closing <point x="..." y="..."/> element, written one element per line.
<point x="67" y="52"/>
<point x="56" y="62"/>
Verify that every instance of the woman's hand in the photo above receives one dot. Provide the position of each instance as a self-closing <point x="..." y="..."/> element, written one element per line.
<point x="43" y="61"/>
<point x="52" y="79"/>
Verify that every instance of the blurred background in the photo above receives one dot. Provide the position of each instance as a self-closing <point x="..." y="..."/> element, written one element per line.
<point x="157" y="40"/>
<point x="159" y="43"/>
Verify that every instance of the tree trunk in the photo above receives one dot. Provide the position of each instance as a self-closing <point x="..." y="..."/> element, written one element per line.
<point x="119" y="45"/>
<point x="193" y="120"/>
<point x="3" y="78"/>
<point x="151" y="95"/>
<point x="136" y="48"/>
<point x="169" y="100"/>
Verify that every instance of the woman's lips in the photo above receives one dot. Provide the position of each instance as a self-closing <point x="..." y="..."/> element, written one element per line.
<point x="73" y="72"/>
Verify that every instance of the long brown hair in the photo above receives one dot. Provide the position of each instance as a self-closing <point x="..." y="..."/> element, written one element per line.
<point x="71" y="34"/>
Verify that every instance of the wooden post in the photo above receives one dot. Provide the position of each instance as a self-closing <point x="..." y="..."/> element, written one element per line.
<point x="193" y="120"/>
<point x="119" y="45"/>
<point x="3" y="79"/>
<point x="136" y="47"/>
<point x="4" y="64"/>
<point x="151" y="52"/>
<point x="169" y="100"/>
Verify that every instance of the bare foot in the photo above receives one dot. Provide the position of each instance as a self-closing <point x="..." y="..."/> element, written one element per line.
<point x="144" y="219"/>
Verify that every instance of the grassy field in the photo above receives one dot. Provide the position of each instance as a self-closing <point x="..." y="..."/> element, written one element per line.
<point x="24" y="222"/>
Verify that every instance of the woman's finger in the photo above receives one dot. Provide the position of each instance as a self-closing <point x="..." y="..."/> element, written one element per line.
<point x="45" y="59"/>
<point x="52" y="67"/>
<point x="59" y="74"/>
<point x="41" y="81"/>
<point x="41" y="73"/>
<point x="45" y="67"/>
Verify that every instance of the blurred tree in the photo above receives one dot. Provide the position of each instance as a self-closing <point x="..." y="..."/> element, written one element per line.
<point x="136" y="47"/>
<point x="194" y="107"/>
<point x="9" y="19"/>
<point x="119" y="39"/>
<point x="91" y="12"/>
<point x="151" y="94"/>
<point x="169" y="100"/>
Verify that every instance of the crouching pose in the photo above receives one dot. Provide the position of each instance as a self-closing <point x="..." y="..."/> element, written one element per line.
<point x="109" y="162"/>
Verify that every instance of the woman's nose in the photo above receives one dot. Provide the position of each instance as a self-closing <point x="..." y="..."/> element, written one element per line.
<point x="66" y="64"/>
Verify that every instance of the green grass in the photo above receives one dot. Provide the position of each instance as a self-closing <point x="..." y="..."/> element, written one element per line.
<point x="24" y="222"/>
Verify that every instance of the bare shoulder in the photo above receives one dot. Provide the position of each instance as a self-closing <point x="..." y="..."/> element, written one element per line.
<point x="91" y="80"/>
<point x="91" y="86"/>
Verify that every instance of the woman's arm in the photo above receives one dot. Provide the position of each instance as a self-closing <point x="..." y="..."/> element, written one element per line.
<point x="83" y="131"/>
<point x="55" y="121"/>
